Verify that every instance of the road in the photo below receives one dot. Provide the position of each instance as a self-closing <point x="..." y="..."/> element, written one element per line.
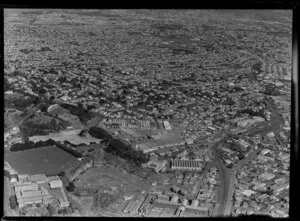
<point x="227" y="176"/>
<point x="226" y="182"/>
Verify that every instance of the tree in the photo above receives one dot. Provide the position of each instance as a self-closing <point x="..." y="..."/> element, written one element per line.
<point x="70" y="187"/>
<point x="99" y="133"/>
<point x="7" y="85"/>
<point x="90" y="107"/>
<point x="82" y="133"/>
<point x="68" y="210"/>
<point x="62" y="174"/>
<point x="42" y="91"/>
<point x="44" y="107"/>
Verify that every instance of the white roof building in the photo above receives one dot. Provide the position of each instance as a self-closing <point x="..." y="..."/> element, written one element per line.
<point x="167" y="125"/>
<point x="248" y="192"/>
<point x="55" y="184"/>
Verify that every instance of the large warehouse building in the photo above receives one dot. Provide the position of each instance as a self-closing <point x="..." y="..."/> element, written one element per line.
<point x="186" y="165"/>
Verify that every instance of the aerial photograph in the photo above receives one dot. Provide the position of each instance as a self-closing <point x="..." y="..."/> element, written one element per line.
<point x="147" y="112"/>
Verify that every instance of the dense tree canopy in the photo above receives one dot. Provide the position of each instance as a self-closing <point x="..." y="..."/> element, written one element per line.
<point x="100" y="133"/>
<point x="13" y="202"/>
<point x="83" y="114"/>
<point x="70" y="187"/>
<point x="117" y="147"/>
<point x="30" y="145"/>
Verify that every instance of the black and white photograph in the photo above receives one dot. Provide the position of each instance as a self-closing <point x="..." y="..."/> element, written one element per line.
<point x="147" y="112"/>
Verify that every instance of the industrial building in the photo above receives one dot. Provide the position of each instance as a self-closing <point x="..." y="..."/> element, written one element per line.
<point x="55" y="183"/>
<point x="27" y="196"/>
<point x="186" y="165"/>
<point x="34" y="189"/>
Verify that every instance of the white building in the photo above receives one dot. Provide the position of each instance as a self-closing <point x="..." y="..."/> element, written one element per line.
<point x="55" y="184"/>
<point x="174" y="199"/>
<point x="195" y="203"/>
<point x="167" y="125"/>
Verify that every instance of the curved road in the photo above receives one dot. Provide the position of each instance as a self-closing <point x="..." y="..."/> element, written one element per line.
<point x="226" y="183"/>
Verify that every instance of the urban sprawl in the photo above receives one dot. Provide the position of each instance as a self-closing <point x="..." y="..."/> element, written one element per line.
<point x="154" y="113"/>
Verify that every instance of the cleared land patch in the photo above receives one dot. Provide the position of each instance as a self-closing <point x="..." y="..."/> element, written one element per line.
<point x="69" y="135"/>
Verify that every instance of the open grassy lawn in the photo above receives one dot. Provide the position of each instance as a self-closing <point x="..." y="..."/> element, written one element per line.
<point x="47" y="160"/>
<point x="102" y="177"/>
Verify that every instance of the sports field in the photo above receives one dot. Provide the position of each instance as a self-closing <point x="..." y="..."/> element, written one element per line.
<point x="47" y="160"/>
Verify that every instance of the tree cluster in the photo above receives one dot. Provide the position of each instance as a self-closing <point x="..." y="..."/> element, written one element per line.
<point x="125" y="151"/>
<point x="102" y="201"/>
<point x="100" y="133"/>
<point x="70" y="187"/>
<point x="19" y="101"/>
<point x="51" y="210"/>
<point x="83" y="114"/>
<point x="118" y="147"/>
<point x="31" y="145"/>
<point x="13" y="202"/>
<point x="251" y="112"/>
<point x="69" y="149"/>
<point x="271" y="90"/>
<point x="26" y="50"/>
<point x="65" y="211"/>
<point x="31" y="129"/>
<point x="229" y="101"/>
<point x="7" y="85"/>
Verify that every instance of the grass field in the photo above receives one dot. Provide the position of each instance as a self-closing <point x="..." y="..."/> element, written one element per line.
<point x="102" y="177"/>
<point x="47" y="160"/>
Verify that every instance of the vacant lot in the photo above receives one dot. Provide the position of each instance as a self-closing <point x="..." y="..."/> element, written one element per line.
<point x="102" y="177"/>
<point x="48" y="160"/>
